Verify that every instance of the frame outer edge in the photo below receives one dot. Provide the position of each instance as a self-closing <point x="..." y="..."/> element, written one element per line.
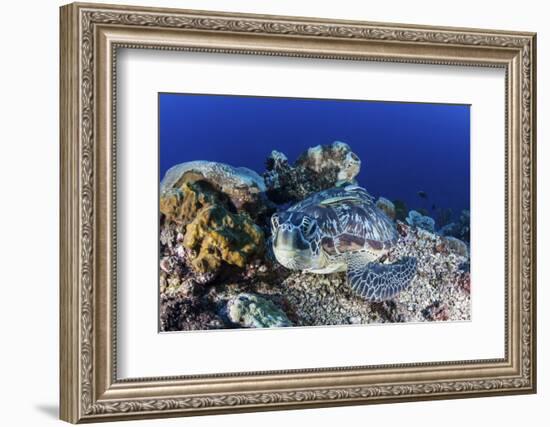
<point x="78" y="339"/>
<point x="69" y="355"/>
<point x="534" y="269"/>
<point x="305" y="19"/>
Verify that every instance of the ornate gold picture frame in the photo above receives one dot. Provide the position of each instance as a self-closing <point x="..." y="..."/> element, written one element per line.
<point x="91" y="35"/>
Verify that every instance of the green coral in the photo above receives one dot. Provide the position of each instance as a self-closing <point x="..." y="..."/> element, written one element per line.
<point x="254" y="311"/>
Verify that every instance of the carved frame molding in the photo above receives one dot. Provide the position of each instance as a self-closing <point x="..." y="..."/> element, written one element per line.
<point x="90" y="37"/>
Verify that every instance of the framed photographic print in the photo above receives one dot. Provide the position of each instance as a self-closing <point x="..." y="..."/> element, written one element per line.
<point x="266" y="212"/>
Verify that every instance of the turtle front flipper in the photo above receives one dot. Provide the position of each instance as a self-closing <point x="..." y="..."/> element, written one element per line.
<point x="378" y="282"/>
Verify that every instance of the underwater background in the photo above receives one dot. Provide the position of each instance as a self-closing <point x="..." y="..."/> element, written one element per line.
<point x="418" y="153"/>
<point x="236" y="161"/>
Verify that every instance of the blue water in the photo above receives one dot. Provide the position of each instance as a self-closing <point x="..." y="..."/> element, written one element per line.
<point x="404" y="147"/>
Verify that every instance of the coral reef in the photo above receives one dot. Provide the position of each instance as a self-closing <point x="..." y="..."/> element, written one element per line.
<point x="319" y="168"/>
<point x="216" y="236"/>
<point x="416" y="219"/>
<point x="317" y="300"/>
<point x="336" y="158"/>
<point x="210" y="233"/>
<point x="182" y="204"/>
<point x="253" y="311"/>
<point x="178" y="313"/>
<point x="460" y="229"/>
<point x="439" y="272"/>
<point x="215" y="271"/>
<point x="242" y="186"/>
<point x="401" y="210"/>
<point x="423" y="212"/>
<point x="386" y="206"/>
<point x="456" y="245"/>
<point x="436" y="311"/>
<point x="443" y="217"/>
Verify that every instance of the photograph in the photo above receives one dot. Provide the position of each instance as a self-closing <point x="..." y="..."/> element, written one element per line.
<point x="301" y="212"/>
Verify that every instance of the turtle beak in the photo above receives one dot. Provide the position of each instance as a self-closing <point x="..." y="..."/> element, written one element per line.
<point x="291" y="240"/>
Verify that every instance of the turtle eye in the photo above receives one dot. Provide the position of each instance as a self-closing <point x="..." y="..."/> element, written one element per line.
<point x="275" y="220"/>
<point x="307" y="226"/>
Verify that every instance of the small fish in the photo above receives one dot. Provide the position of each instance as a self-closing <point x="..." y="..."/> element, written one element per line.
<point x="434" y="207"/>
<point x="422" y="194"/>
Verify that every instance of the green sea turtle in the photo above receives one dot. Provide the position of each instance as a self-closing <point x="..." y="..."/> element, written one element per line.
<point x="341" y="229"/>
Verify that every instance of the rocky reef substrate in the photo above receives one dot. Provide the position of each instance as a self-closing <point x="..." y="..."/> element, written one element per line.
<point x="216" y="269"/>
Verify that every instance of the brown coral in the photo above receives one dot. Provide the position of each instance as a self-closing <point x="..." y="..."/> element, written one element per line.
<point x="213" y="234"/>
<point x="319" y="168"/>
<point x="464" y="282"/>
<point x="182" y="204"/>
<point x="217" y="235"/>
<point x="242" y="188"/>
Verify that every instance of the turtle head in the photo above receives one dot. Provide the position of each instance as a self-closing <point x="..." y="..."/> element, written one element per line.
<point x="296" y="240"/>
